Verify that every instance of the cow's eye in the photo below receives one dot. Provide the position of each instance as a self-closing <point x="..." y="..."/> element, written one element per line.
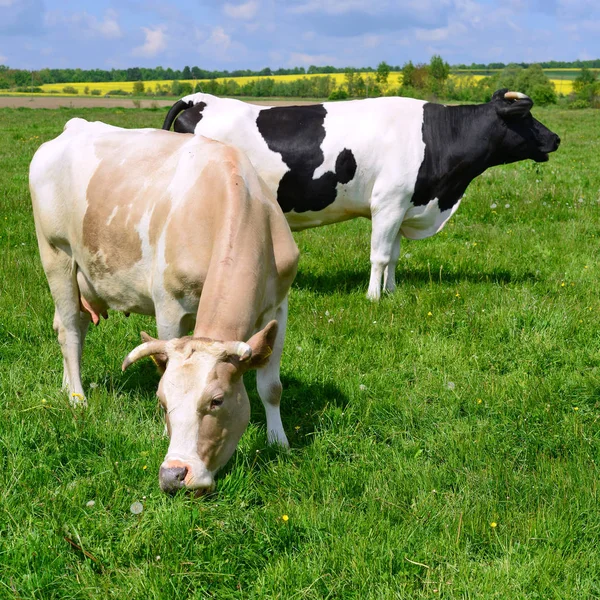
<point x="216" y="402"/>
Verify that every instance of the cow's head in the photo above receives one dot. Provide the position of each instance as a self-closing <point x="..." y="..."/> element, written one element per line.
<point x="522" y="136"/>
<point x="206" y="405"/>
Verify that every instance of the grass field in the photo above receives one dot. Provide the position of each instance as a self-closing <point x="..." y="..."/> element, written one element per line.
<point x="445" y="441"/>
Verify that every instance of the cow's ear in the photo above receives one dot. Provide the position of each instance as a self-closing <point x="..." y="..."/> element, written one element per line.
<point x="498" y="95"/>
<point x="511" y="104"/>
<point x="515" y="108"/>
<point x="262" y="344"/>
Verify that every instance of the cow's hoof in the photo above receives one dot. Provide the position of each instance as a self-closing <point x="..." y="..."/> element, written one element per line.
<point x="78" y="400"/>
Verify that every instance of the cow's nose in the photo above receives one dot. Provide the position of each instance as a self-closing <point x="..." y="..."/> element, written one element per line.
<point x="172" y="478"/>
<point x="557" y="141"/>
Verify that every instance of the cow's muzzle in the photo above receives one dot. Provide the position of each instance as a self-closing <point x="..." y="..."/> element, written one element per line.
<point x="175" y="475"/>
<point x="172" y="478"/>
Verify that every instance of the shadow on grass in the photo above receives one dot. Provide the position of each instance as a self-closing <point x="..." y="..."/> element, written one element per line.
<point x="302" y="404"/>
<point x="346" y="281"/>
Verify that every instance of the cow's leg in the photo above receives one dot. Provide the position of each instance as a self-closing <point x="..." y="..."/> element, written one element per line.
<point x="269" y="383"/>
<point x="385" y="230"/>
<point x="169" y="330"/>
<point x="84" y="323"/>
<point x="69" y="324"/>
<point x="389" y="276"/>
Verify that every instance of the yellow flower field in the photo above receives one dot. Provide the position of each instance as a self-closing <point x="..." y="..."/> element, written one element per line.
<point x="563" y="86"/>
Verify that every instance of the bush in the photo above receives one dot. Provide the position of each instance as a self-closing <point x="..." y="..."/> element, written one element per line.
<point x="138" y="87"/>
<point x="338" y="95"/>
<point x="543" y="94"/>
<point x="69" y="89"/>
<point x="590" y="94"/>
<point x="179" y="88"/>
<point x="117" y="93"/>
<point x="95" y="92"/>
<point x="30" y="90"/>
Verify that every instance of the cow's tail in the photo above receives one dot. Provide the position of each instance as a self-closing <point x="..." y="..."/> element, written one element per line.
<point x="179" y="106"/>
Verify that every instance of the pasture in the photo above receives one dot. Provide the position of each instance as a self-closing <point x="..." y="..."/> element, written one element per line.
<point x="444" y="442"/>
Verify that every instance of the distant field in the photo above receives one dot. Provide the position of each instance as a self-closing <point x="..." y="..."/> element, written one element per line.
<point x="562" y="80"/>
<point x="445" y="442"/>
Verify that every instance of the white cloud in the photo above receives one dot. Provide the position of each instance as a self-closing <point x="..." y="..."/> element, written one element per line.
<point x="86" y="24"/>
<point x="156" y="42"/>
<point x="108" y="28"/>
<point x="441" y="33"/>
<point x="244" y="11"/>
<point x="219" y="38"/>
<point x="3" y="59"/>
<point x="7" y="3"/>
<point x="334" y="7"/>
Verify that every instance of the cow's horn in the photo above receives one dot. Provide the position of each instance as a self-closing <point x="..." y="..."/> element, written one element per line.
<point x="143" y="350"/>
<point x="240" y="349"/>
<point x="516" y="96"/>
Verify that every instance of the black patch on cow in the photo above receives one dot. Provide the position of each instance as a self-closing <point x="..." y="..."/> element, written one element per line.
<point x="189" y="118"/>
<point x="297" y="133"/>
<point x="345" y="166"/>
<point x="450" y="163"/>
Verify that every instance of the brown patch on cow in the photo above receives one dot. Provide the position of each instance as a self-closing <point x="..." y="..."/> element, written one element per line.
<point x="189" y="249"/>
<point x="158" y="220"/>
<point x="130" y="180"/>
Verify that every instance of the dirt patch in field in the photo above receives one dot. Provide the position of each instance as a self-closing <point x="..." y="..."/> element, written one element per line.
<point x="50" y="102"/>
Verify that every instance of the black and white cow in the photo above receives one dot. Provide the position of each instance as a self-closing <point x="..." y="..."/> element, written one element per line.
<point x="402" y="163"/>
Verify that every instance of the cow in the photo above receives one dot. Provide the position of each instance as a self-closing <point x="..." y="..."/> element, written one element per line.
<point x="180" y="227"/>
<point x="403" y="163"/>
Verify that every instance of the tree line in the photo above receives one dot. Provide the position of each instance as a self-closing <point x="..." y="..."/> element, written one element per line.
<point x="10" y="78"/>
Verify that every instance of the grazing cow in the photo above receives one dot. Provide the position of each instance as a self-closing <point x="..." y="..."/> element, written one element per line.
<point x="180" y="227"/>
<point x="402" y="163"/>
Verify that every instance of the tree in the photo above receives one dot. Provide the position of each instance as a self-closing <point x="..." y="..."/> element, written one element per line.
<point x="585" y="77"/>
<point x="382" y="74"/>
<point x="350" y="77"/>
<point x="438" y="74"/>
<point x="133" y="74"/>
<point x="186" y="73"/>
<point x="438" y="69"/>
<point x="138" y="88"/>
<point x="408" y="71"/>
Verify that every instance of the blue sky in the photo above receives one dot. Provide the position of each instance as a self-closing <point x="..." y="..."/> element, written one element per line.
<point x="276" y="33"/>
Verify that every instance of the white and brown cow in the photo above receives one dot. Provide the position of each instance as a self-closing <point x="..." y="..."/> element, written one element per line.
<point x="180" y="227"/>
<point x="402" y="163"/>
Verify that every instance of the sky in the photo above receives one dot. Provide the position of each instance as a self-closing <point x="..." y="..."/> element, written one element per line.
<point x="253" y="34"/>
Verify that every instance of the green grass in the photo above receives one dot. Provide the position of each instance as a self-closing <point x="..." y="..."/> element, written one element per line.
<point x="411" y="432"/>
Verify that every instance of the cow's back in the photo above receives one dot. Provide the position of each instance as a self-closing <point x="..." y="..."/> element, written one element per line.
<point x="139" y="210"/>
<point x="323" y="162"/>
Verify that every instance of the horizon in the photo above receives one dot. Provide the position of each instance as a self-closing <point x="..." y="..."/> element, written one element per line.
<point x="256" y="72"/>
